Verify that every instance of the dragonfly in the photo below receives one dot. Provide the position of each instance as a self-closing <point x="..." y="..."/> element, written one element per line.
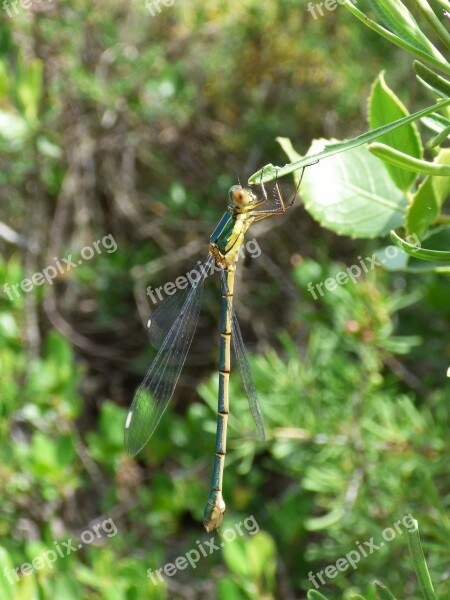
<point x="172" y="327"/>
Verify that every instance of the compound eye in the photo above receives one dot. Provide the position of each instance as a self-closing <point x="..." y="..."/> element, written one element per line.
<point x="238" y="196"/>
<point x="241" y="197"/>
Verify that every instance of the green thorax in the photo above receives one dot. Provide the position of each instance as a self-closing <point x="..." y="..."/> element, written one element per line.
<point x="223" y="231"/>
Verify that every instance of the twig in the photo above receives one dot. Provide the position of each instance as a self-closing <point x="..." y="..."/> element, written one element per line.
<point x="174" y="257"/>
<point x="402" y="373"/>
<point x="13" y="237"/>
<point x="57" y="320"/>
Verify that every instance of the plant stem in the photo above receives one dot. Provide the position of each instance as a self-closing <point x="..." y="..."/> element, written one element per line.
<point x="442" y="65"/>
<point x="425" y="9"/>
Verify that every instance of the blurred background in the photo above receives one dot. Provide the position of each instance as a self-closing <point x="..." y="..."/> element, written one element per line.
<point x="131" y="121"/>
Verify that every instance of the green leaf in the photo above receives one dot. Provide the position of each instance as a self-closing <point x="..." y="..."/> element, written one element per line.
<point x="325" y="521"/>
<point x="386" y="107"/>
<point x="401" y="22"/>
<point x="66" y="587"/>
<point x="65" y="451"/>
<point x="5" y="37"/>
<point x="391" y="262"/>
<point x="27" y="589"/>
<point x="408" y="162"/>
<point x="48" y="148"/>
<point x="420" y="565"/>
<point x="227" y="589"/>
<point x="432" y="79"/>
<point x="315" y="595"/>
<point x="29" y="88"/>
<point x="353" y="195"/>
<point x="422" y="253"/>
<point x="6" y="568"/>
<point x="8" y="326"/>
<point x="261" y="552"/>
<point x="440" y="137"/>
<point x="270" y="172"/>
<point x="4" y="78"/>
<point x="429" y="15"/>
<point x="235" y="556"/>
<point x="13" y="128"/>
<point x="435" y="122"/>
<point x="44" y="455"/>
<point x="411" y="46"/>
<point x="253" y="558"/>
<point x="382" y="592"/>
<point x="427" y="201"/>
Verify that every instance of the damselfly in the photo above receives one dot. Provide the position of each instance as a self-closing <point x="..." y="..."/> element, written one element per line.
<point x="172" y="327"/>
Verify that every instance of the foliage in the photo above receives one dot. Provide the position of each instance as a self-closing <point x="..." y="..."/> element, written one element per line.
<point x="377" y="192"/>
<point x="369" y="198"/>
<point x="116" y="122"/>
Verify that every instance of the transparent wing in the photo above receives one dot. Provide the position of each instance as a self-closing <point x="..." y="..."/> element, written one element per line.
<point x="161" y="319"/>
<point x="153" y="395"/>
<point x="247" y="378"/>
